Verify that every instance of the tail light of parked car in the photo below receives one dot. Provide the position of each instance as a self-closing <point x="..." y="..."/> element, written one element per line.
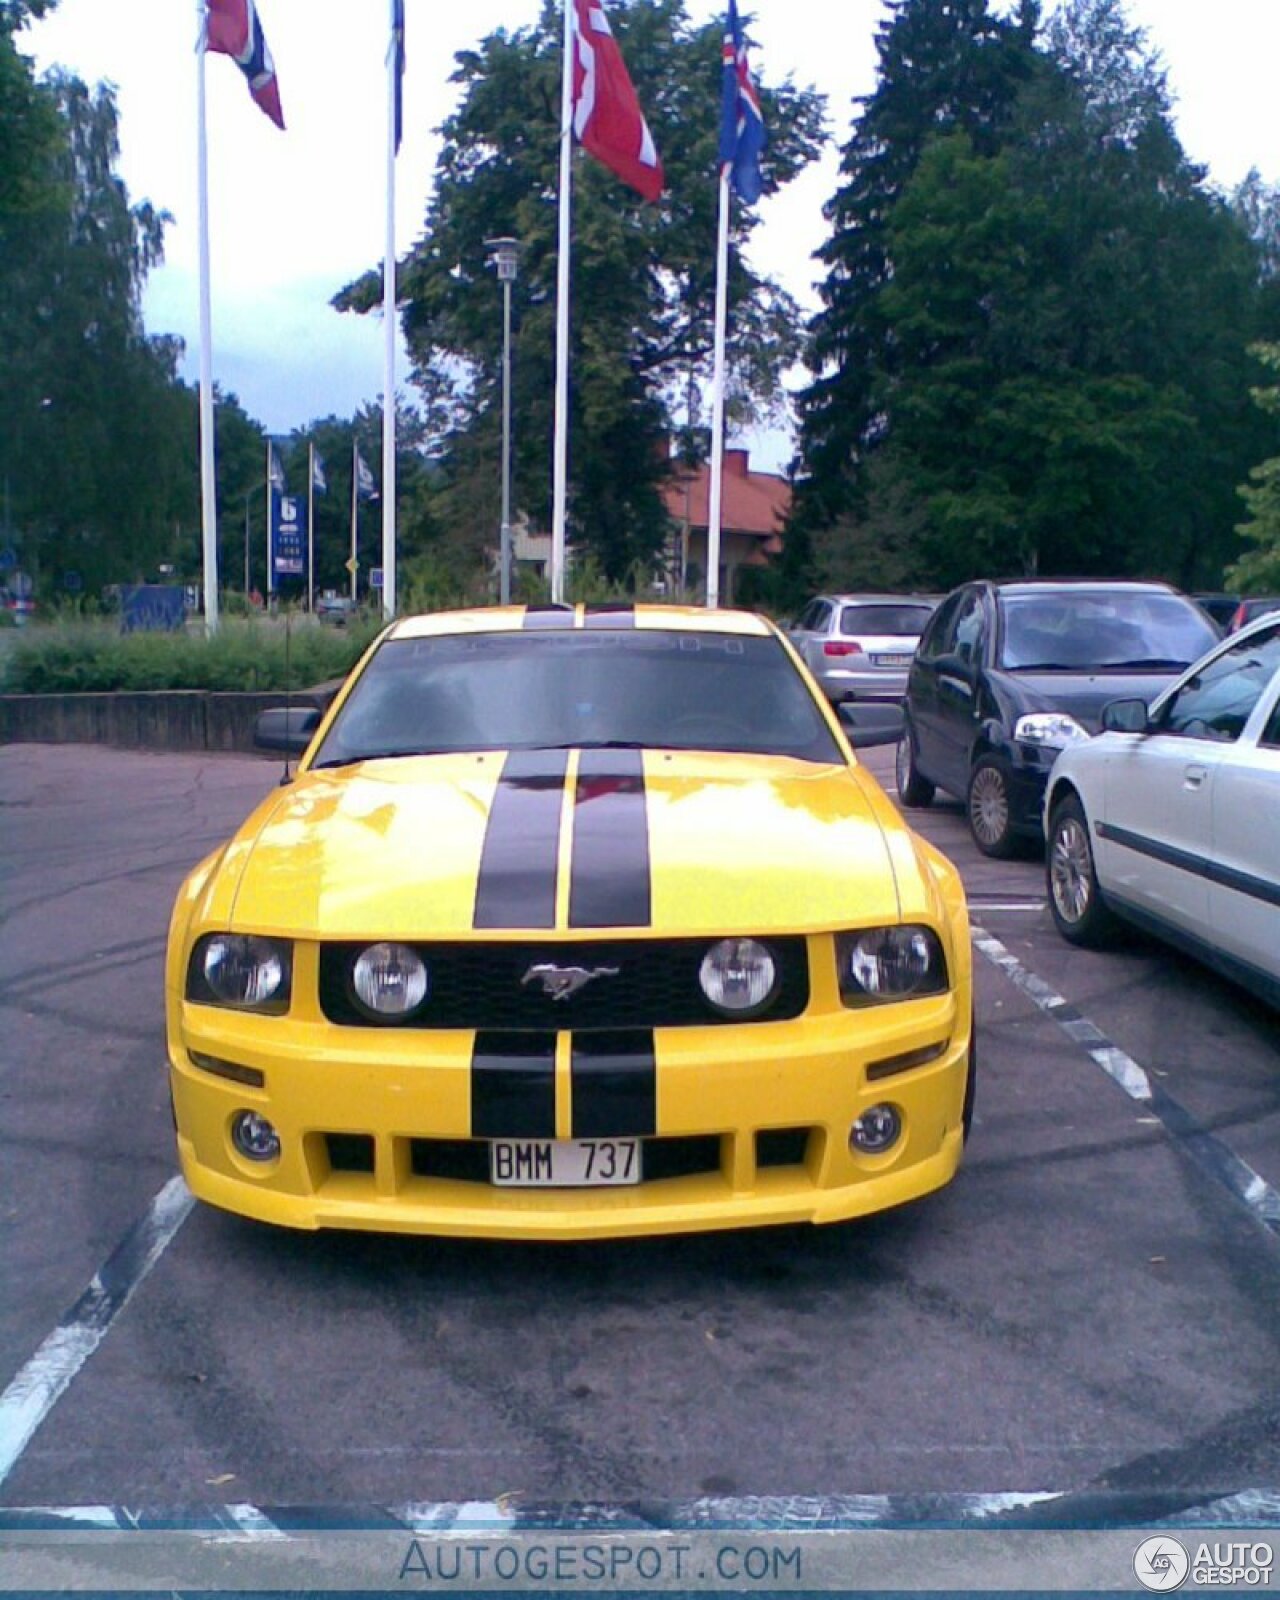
<point x="841" y="647"/>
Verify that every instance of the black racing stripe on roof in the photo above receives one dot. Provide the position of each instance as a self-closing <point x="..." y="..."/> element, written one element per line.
<point x="516" y="883"/>
<point x="615" y="615"/>
<point x="513" y="1086"/>
<point x="609" y="882"/>
<point x="615" y="1085"/>
<point x="548" y="616"/>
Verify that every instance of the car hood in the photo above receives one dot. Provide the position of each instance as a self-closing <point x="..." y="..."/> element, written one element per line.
<point x="399" y="849"/>
<point x="1082" y="695"/>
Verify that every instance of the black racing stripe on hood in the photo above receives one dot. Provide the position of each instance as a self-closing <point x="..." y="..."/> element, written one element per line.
<point x="609" y="884"/>
<point x="513" y="1086"/>
<point x="516" y="883"/>
<point x="615" y="1085"/>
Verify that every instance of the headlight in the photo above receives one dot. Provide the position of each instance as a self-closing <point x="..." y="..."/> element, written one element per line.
<point x="1052" y="728"/>
<point x="389" y="980"/>
<point x="884" y="964"/>
<point x="242" y="970"/>
<point x="738" y="976"/>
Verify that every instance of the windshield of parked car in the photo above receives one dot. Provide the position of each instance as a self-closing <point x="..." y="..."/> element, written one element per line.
<point x="1087" y="630"/>
<point x="607" y="687"/>
<point x="905" y="622"/>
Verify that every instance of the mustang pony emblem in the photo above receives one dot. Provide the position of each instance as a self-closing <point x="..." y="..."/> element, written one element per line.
<point x="561" y="983"/>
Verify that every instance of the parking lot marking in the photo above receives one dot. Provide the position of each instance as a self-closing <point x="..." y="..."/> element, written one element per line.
<point x="1203" y="1147"/>
<point x="36" y="1389"/>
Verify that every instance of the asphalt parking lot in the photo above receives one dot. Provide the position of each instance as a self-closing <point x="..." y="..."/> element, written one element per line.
<point x="1093" y="1305"/>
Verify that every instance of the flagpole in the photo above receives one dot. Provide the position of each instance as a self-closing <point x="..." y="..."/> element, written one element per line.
<point x="561" y="459"/>
<point x="270" y="575"/>
<point x="389" y="344"/>
<point x="355" y="512"/>
<point x="311" y="523"/>
<point x="717" y="397"/>
<point x="208" y="481"/>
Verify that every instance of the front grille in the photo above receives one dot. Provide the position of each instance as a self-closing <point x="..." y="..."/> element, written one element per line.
<point x="468" y="1159"/>
<point x="479" y="985"/>
<point x="781" y="1147"/>
<point x="349" y="1152"/>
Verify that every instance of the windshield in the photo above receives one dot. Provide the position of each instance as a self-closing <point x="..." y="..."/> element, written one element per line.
<point x="632" y="688"/>
<point x="1097" y="629"/>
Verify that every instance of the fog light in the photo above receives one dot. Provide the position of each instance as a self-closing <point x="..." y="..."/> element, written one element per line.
<point x="876" y="1130"/>
<point x="254" y="1137"/>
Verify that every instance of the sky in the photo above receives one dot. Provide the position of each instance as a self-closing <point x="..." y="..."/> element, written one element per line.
<point x="295" y="216"/>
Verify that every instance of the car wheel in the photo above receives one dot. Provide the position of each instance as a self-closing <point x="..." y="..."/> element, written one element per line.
<point x="1075" y="901"/>
<point x="913" y="790"/>
<point x="990" y="809"/>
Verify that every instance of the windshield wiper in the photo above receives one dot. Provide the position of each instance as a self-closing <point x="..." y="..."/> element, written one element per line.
<point x="1166" y="662"/>
<point x="1046" y="666"/>
<point x="592" y="744"/>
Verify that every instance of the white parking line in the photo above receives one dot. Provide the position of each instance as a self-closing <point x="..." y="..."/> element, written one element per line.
<point x="34" y="1391"/>
<point x="1204" y="1148"/>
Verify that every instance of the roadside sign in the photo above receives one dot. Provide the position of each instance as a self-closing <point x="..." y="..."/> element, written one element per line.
<point x="8" y="558"/>
<point x="352" y="565"/>
<point x="22" y="584"/>
<point x="375" y="577"/>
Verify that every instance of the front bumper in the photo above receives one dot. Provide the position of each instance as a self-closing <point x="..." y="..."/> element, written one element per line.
<point x="723" y="1087"/>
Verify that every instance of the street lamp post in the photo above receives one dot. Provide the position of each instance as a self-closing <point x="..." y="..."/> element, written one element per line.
<point x="505" y="255"/>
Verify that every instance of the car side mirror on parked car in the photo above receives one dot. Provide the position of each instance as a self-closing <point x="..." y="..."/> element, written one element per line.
<point x="287" y="728"/>
<point x="870" y="723"/>
<point x="1126" y="716"/>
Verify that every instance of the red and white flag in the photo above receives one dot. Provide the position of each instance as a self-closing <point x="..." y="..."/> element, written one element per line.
<point x="607" y="119"/>
<point x="234" y="30"/>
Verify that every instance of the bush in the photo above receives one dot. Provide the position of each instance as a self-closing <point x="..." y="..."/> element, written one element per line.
<point x="81" y="657"/>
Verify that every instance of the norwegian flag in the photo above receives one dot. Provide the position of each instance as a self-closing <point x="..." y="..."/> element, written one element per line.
<point x="234" y="30"/>
<point x="607" y="119"/>
<point x="741" y="124"/>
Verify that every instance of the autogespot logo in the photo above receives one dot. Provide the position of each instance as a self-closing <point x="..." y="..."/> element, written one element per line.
<point x="1161" y="1563"/>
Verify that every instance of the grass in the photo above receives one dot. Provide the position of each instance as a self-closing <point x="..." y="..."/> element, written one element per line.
<point x="81" y="657"/>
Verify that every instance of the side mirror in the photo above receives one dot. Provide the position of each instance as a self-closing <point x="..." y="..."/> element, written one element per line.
<point x="287" y="728"/>
<point x="871" y="723"/>
<point x="1126" y="716"/>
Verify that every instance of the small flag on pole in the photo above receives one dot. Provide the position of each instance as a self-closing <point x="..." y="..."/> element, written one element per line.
<point x="366" y="488"/>
<point x="318" y="481"/>
<point x="607" y="119"/>
<point x="397" y="44"/>
<point x="234" y="30"/>
<point x="741" y="124"/>
<point x="275" y="472"/>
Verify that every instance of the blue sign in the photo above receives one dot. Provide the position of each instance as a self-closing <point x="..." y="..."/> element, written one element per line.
<point x="151" y="608"/>
<point x="375" y="577"/>
<point x="8" y="558"/>
<point x="288" y="536"/>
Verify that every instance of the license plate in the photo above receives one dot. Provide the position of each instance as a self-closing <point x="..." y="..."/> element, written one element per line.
<point x="563" y="1163"/>
<point x="892" y="661"/>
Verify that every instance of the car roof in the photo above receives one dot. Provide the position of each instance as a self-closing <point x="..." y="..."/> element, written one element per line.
<point x="1021" y="586"/>
<point x="511" y="619"/>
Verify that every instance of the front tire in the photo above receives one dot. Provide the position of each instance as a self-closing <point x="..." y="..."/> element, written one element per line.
<point x="1079" y="912"/>
<point x="913" y="790"/>
<point x="990" y="809"/>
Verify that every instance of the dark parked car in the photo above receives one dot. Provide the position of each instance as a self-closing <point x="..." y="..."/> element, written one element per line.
<point x="1009" y="674"/>
<point x="1221" y="607"/>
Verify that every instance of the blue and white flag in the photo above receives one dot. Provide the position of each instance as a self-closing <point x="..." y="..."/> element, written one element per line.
<point x="275" y="472"/>
<point x="741" y="122"/>
<point x="319" y="482"/>
<point x="366" y="488"/>
<point x="397" y="44"/>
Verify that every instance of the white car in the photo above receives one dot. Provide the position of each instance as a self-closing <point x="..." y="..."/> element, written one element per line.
<point x="1170" y="818"/>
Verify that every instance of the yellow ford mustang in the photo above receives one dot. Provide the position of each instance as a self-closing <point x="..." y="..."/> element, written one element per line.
<point x="574" y="922"/>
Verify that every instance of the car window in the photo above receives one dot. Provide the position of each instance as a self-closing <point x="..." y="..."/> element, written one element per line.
<point x="636" y="688"/>
<point x="898" y="621"/>
<point x="971" y="630"/>
<point x="808" y="616"/>
<point x="1218" y="702"/>
<point x="940" y="634"/>
<point x="1271" y="733"/>
<point x="1102" y="629"/>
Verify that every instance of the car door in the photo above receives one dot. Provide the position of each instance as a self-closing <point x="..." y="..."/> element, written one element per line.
<point x="1156" y="843"/>
<point x="1244" y="892"/>
<point x="922" y="702"/>
<point x="957" y="678"/>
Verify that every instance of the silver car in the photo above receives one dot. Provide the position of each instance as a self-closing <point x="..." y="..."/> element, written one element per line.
<point x="859" y="646"/>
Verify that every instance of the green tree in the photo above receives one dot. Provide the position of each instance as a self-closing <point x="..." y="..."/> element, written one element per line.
<point x="1258" y="570"/>
<point x="643" y="282"/>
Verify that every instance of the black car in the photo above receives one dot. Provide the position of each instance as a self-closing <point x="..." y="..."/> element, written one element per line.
<point x="1007" y="674"/>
